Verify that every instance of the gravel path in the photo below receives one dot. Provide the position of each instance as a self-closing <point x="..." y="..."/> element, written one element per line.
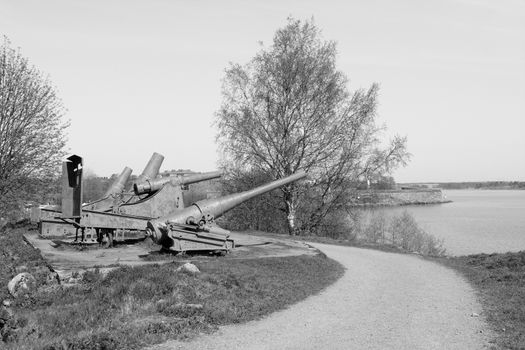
<point x="384" y="301"/>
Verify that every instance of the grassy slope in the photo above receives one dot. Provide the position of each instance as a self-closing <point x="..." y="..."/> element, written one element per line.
<point x="133" y="307"/>
<point x="500" y="282"/>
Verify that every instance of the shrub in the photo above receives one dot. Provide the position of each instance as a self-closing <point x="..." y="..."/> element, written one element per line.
<point x="376" y="229"/>
<point x="401" y="231"/>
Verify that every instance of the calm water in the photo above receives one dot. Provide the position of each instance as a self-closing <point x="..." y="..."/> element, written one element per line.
<point x="477" y="221"/>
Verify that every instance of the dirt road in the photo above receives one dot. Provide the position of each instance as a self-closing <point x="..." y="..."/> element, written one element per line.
<point x="384" y="301"/>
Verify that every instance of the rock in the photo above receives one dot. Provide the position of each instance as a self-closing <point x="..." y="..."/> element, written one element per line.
<point x="103" y="271"/>
<point x="52" y="278"/>
<point x="188" y="267"/>
<point x="6" y="302"/>
<point x="21" y="284"/>
<point x="5" y="314"/>
<point x="474" y="315"/>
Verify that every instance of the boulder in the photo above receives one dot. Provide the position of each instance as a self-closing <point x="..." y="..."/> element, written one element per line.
<point x="21" y="284"/>
<point x="5" y="314"/>
<point x="52" y="278"/>
<point x="188" y="267"/>
<point x="194" y="306"/>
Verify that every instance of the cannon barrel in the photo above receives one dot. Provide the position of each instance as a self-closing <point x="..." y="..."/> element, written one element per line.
<point x="216" y="206"/>
<point x="152" y="168"/>
<point x="118" y="185"/>
<point x="148" y="186"/>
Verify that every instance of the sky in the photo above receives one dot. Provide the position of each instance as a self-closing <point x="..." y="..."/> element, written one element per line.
<point x="139" y="77"/>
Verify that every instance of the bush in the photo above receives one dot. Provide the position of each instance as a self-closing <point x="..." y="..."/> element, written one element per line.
<point x="401" y="231"/>
<point x="376" y="229"/>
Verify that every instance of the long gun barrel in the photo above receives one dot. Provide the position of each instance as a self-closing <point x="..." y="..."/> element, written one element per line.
<point x="149" y="186"/>
<point x="214" y="207"/>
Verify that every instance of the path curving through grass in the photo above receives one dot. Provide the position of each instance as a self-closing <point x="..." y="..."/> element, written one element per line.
<point x="384" y="301"/>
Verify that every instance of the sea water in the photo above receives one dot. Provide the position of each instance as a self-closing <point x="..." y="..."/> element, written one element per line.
<point x="476" y="221"/>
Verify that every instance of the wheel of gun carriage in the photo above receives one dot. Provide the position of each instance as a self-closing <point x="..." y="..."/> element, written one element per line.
<point x="109" y="238"/>
<point x="108" y="243"/>
<point x="100" y="235"/>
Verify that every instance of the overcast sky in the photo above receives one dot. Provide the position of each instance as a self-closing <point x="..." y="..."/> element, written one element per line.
<point x="145" y="76"/>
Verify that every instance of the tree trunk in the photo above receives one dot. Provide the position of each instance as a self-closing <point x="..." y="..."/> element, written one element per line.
<point x="291" y="206"/>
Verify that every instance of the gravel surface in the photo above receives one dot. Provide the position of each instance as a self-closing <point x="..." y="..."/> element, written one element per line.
<point x="384" y="301"/>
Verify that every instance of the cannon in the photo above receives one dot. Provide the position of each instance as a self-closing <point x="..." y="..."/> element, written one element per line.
<point x="194" y="227"/>
<point x="152" y="186"/>
<point x="154" y="206"/>
<point x="120" y="214"/>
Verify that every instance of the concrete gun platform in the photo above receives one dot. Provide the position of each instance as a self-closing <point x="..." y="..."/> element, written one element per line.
<point x="67" y="259"/>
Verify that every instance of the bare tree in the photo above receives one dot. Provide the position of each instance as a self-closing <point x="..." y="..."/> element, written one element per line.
<point x="32" y="130"/>
<point x="289" y="109"/>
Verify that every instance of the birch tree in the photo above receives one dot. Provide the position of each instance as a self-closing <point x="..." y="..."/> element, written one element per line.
<point x="289" y="108"/>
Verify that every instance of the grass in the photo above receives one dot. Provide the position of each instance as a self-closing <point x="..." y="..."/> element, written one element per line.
<point x="136" y="306"/>
<point x="500" y="282"/>
<point x="16" y="255"/>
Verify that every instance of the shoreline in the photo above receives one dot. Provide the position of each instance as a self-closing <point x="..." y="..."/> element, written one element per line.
<point x="382" y="205"/>
<point x="398" y="197"/>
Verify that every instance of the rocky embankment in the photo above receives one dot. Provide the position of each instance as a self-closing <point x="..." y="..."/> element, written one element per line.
<point x="401" y="197"/>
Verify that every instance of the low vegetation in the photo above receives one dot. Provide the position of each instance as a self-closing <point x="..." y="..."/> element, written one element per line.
<point x="135" y="306"/>
<point x="398" y="233"/>
<point x="500" y="282"/>
<point x="401" y="231"/>
<point x="18" y="256"/>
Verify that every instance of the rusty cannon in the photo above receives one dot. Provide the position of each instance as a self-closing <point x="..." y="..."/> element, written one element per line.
<point x="194" y="227"/>
<point x="121" y="214"/>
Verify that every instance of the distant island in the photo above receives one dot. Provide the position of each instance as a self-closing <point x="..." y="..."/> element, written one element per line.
<point x="389" y="193"/>
<point x="400" y="196"/>
<point x="467" y="185"/>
